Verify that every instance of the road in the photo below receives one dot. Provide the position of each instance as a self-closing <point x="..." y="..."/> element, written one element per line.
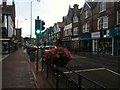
<point x="104" y="72"/>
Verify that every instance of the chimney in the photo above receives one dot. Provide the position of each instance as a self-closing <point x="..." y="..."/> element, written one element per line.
<point x="76" y="7"/>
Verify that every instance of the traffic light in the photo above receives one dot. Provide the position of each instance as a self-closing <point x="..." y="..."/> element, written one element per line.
<point x="37" y="27"/>
<point x="42" y="24"/>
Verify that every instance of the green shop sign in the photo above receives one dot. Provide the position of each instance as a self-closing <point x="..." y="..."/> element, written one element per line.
<point x="115" y="32"/>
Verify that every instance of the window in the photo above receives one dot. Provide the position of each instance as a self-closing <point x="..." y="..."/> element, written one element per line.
<point x="118" y="17"/>
<point x="86" y="14"/>
<point x="102" y="6"/>
<point x="75" y="18"/>
<point x="75" y="31"/>
<point x="69" y="32"/>
<point x="1" y="16"/>
<point x="103" y="22"/>
<point x="85" y="28"/>
<point x="66" y="33"/>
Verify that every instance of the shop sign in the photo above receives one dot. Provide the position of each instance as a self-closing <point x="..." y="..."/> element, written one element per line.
<point x="85" y="38"/>
<point x="66" y="39"/>
<point x="69" y="26"/>
<point x="74" y="39"/>
<point x="115" y="32"/>
<point x="95" y="35"/>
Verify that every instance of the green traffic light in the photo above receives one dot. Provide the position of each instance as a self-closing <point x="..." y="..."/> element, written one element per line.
<point x="38" y="31"/>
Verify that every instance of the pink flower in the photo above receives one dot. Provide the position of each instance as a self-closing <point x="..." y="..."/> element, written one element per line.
<point x="57" y="56"/>
<point x="59" y="53"/>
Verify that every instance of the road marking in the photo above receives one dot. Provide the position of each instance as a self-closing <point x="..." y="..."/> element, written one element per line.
<point x="83" y="57"/>
<point x="113" y="72"/>
<point x="84" y="70"/>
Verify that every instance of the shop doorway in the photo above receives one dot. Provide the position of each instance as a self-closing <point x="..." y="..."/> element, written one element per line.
<point x="95" y="45"/>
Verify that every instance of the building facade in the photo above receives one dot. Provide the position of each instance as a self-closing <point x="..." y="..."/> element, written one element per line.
<point x="8" y="27"/>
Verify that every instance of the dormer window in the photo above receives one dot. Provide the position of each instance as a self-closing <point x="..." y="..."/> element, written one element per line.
<point x="118" y="17"/>
<point x="102" y="6"/>
<point x="86" y="14"/>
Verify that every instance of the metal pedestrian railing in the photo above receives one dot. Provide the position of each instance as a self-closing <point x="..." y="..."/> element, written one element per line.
<point x="70" y="80"/>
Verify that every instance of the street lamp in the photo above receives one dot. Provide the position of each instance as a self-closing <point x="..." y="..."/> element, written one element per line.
<point x="31" y="18"/>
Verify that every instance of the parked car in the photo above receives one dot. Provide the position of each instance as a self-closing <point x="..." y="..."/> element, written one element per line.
<point x="46" y="48"/>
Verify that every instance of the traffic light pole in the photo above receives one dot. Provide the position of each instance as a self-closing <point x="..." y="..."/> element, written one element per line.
<point x="37" y="53"/>
<point x="39" y="26"/>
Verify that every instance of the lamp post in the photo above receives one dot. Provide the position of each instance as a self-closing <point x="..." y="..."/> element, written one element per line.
<point x="31" y="18"/>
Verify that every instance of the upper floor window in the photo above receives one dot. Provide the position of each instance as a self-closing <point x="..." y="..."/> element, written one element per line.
<point x="118" y="17"/>
<point x="102" y="6"/>
<point x="86" y="14"/>
<point x="85" y="28"/>
<point x="75" y="31"/>
<point x="66" y="33"/>
<point x="69" y="32"/>
<point x="103" y="22"/>
<point x="75" y="18"/>
<point x="1" y="16"/>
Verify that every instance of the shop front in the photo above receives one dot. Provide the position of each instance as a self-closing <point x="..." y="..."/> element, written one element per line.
<point x="7" y="45"/>
<point x="96" y="41"/>
<point x="85" y="44"/>
<point x="67" y="42"/>
<point x="102" y="43"/>
<point x="75" y="44"/>
<point x="115" y="33"/>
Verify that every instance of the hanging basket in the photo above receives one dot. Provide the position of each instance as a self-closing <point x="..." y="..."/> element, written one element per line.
<point x="58" y="56"/>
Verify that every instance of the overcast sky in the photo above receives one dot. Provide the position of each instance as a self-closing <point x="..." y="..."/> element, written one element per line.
<point x="51" y="11"/>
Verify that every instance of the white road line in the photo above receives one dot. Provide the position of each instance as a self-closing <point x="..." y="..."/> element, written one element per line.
<point x="83" y="57"/>
<point x="113" y="72"/>
<point x="84" y="70"/>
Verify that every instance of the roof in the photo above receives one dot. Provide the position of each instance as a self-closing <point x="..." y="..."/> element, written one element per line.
<point x="61" y="24"/>
<point x="91" y="5"/>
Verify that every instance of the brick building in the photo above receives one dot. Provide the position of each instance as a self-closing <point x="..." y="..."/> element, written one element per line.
<point x="8" y="26"/>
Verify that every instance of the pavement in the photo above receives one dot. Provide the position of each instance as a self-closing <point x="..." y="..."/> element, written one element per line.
<point x="19" y="72"/>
